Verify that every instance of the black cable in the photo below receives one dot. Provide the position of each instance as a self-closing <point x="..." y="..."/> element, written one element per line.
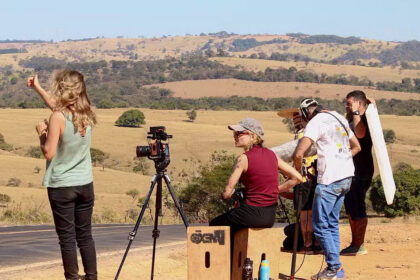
<point x="304" y="255"/>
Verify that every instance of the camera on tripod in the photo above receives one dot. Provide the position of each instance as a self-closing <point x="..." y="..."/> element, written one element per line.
<point x="156" y="150"/>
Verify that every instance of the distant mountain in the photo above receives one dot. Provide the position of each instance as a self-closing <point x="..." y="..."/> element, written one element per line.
<point x="330" y="49"/>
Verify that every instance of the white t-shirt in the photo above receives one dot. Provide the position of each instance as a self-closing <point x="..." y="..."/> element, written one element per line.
<point x="334" y="155"/>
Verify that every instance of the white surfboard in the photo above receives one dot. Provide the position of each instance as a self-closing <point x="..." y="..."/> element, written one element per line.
<point x="381" y="153"/>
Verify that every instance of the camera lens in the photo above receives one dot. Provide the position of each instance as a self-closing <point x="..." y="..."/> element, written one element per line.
<point x="143" y="151"/>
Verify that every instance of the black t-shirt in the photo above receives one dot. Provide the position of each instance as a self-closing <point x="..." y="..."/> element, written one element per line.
<point x="363" y="161"/>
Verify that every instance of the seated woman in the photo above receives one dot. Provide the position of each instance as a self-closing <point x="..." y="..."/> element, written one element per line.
<point x="257" y="169"/>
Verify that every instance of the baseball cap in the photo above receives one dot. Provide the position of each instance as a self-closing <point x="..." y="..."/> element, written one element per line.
<point x="248" y="124"/>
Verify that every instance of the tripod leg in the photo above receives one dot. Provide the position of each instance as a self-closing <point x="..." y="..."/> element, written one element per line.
<point x="296" y="236"/>
<point x="133" y="233"/>
<point x="175" y="199"/>
<point x="158" y="211"/>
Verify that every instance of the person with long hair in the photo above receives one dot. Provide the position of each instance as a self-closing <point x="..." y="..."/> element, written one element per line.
<point x="258" y="170"/>
<point x="65" y="141"/>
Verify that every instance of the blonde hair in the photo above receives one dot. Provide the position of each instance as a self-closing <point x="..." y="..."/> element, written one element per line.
<point x="69" y="88"/>
<point x="255" y="140"/>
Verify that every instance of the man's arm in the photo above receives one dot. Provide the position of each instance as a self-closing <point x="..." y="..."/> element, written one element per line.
<point x="303" y="145"/>
<point x="354" y="146"/>
<point x="359" y="125"/>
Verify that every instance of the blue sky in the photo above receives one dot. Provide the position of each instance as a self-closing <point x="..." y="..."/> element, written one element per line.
<point x="75" y="19"/>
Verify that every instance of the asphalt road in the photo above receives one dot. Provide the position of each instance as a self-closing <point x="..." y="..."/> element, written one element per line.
<point x="25" y="245"/>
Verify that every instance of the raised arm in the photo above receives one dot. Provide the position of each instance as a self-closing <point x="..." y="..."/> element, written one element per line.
<point x="240" y="166"/>
<point x="49" y="100"/>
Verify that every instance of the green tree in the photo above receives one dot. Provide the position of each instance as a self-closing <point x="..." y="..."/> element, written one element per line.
<point x="98" y="156"/>
<point x="407" y="195"/>
<point x="192" y="115"/>
<point x="131" y="118"/>
<point x="201" y="198"/>
<point x="389" y="136"/>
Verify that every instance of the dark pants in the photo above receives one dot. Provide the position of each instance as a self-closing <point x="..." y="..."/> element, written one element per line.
<point x="72" y="210"/>
<point x="354" y="201"/>
<point x="246" y="216"/>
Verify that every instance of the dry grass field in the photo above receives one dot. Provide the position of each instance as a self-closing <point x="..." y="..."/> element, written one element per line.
<point x="191" y="140"/>
<point x="374" y="74"/>
<point x="229" y="87"/>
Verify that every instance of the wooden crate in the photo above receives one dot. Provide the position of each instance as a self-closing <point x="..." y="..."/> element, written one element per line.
<point x="257" y="244"/>
<point x="208" y="250"/>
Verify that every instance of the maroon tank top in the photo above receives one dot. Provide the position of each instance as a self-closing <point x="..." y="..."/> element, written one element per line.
<point x="261" y="180"/>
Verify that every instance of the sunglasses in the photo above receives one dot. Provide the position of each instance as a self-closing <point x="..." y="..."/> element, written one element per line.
<point x="240" y="133"/>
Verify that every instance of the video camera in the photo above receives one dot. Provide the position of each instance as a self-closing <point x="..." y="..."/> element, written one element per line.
<point x="157" y="150"/>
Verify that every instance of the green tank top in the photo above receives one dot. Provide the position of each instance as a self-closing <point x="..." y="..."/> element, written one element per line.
<point x="71" y="165"/>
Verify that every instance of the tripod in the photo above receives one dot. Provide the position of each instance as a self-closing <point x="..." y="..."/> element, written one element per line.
<point x="157" y="178"/>
<point x="296" y="233"/>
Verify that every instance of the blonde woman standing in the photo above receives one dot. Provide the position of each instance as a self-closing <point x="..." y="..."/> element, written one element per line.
<point x="257" y="169"/>
<point x="65" y="142"/>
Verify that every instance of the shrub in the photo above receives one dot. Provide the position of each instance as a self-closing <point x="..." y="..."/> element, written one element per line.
<point x="192" y="115"/>
<point x="133" y="193"/>
<point x="131" y="118"/>
<point x="407" y="198"/>
<point x="4" y="198"/>
<point x="132" y="214"/>
<point x="3" y="145"/>
<point x="389" y="136"/>
<point x="141" y="165"/>
<point x="201" y="197"/>
<point x="14" y="182"/>
<point x="35" y="152"/>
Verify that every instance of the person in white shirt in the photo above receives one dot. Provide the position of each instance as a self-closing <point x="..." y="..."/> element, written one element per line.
<point x="336" y="144"/>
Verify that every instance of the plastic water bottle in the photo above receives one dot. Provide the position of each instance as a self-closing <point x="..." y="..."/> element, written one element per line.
<point x="265" y="270"/>
<point x="247" y="269"/>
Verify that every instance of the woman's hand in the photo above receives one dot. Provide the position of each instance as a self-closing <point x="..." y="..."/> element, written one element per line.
<point x="33" y="82"/>
<point x="49" y="100"/>
<point x="42" y="127"/>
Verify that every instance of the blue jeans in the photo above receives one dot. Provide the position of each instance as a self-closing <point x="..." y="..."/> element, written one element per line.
<point x="326" y="207"/>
